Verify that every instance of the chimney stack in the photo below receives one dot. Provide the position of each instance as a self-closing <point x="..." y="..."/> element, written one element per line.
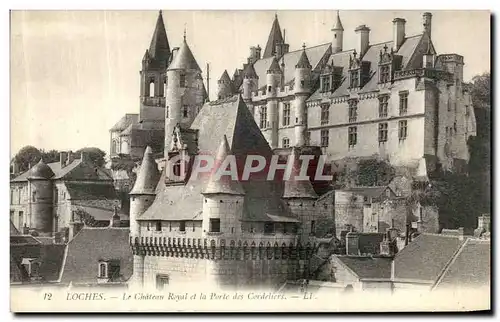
<point x="63" y="158"/>
<point x="363" y="33"/>
<point x="398" y="33"/>
<point x="71" y="157"/>
<point x="352" y="243"/>
<point x="427" y="22"/>
<point x="115" y="220"/>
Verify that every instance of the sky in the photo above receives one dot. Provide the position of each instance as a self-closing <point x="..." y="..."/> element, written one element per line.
<point x="74" y="74"/>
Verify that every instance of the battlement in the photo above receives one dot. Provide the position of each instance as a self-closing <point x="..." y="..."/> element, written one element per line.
<point x="445" y="58"/>
<point x="287" y="90"/>
<point x="219" y="249"/>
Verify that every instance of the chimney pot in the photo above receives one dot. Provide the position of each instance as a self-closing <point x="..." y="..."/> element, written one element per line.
<point x="363" y="40"/>
<point x="398" y="33"/>
<point x="63" y="158"/>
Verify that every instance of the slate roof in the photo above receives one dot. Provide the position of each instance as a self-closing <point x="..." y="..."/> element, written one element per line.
<point x="425" y="257"/>
<point x="372" y="192"/>
<point x="159" y="48"/>
<point x="338" y="23"/>
<point x="90" y="191"/>
<point x="303" y="61"/>
<point x="275" y="37"/>
<point x="295" y="188"/>
<point x="367" y="267"/>
<point x="148" y="175"/>
<point x="471" y="267"/>
<point x="184" y="59"/>
<point x="51" y="258"/>
<point x="13" y="229"/>
<point x="124" y="122"/>
<point x="225" y="77"/>
<point x="91" y="245"/>
<point x="341" y="59"/>
<point x="23" y="240"/>
<point x="40" y="171"/>
<point x="229" y="117"/>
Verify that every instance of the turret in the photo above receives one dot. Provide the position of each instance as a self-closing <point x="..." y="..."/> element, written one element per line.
<point x="275" y="38"/>
<point x="223" y="198"/>
<point x="40" y="197"/>
<point x="302" y="90"/>
<point x="274" y="74"/>
<point x="427" y="23"/>
<point x="250" y="82"/>
<point x="225" y="86"/>
<point x="143" y="193"/>
<point x="338" y="35"/>
<point x="185" y="92"/>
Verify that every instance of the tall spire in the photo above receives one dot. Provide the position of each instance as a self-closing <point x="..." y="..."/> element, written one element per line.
<point x="275" y="37"/>
<point x="338" y="23"/>
<point x="159" y="49"/>
<point x="148" y="175"/>
<point x="184" y="59"/>
<point x="303" y="60"/>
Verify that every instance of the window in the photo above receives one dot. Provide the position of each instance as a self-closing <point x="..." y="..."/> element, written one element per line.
<point x="285" y="230"/>
<point x="263" y="117"/>
<point x="382" y="132"/>
<point x="403" y="103"/>
<point x="385" y="74"/>
<point x="182" y="80"/>
<point x="113" y="270"/>
<point x="12" y="216"/>
<point x="161" y="281"/>
<point x="167" y="112"/>
<point x="269" y="88"/>
<point x="56" y="196"/>
<point x="354" y="78"/>
<point x="403" y="130"/>
<point x="353" y="111"/>
<point x="324" y="138"/>
<point x="383" y="104"/>
<point x="103" y="270"/>
<point x="421" y="213"/>
<point x="269" y="228"/>
<point x="182" y="226"/>
<point x="325" y="113"/>
<point x="165" y="87"/>
<point x="11" y="196"/>
<point x="169" y="226"/>
<point x="152" y="88"/>
<point x="286" y="142"/>
<point x="326" y="83"/>
<point x="33" y="196"/>
<point x="214" y="225"/>
<point x="286" y="114"/>
<point x="158" y="226"/>
<point x="352" y="136"/>
<point x="313" y="227"/>
<point x="185" y="111"/>
<point x="21" y="215"/>
<point x="194" y="226"/>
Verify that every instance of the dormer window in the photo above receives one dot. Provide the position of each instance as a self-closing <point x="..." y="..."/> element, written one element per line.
<point x="32" y="267"/>
<point x="385" y="74"/>
<point x="108" y="271"/>
<point x="354" y="78"/>
<point x="325" y="113"/>
<point x="326" y="83"/>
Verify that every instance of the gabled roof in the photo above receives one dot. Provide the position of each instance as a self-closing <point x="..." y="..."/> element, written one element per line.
<point x="275" y="37"/>
<point x="148" y="175"/>
<point x="372" y="192"/>
<point x="184" y="59"/>
<point x="159" y="48"/>
<point x="124" y="122"/>
<point x="90" y="246"/>
<point x="367" y="266"/>
<point x="91" y="191"/>
<point x="232" y="118"/>
<point x="303" y="61"/>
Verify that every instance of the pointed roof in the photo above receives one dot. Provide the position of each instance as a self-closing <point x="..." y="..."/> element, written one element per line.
<point x="159" y="48"/>
<point x="225" y="77"/>
<point x="298" y="188"/>
<point x="249" y="72"/>
<point x="224" y="185"/>
<point x="184" y="59"/>
<point x="338" y="24"/>
<point x="148" y="175"/>
<point x="275" y="37"/>
<point x="40" y="171"/>
<point x="303" y="60"/>
<point x="275" y="67"/>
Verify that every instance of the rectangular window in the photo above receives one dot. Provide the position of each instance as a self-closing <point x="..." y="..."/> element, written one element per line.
<point x="269" y="228"/>
<point x="33" y="196"/>
<point x="182" y="80"/>
<point x="325" y="113"/>
<point x="167" y="112"/>
<point x="161" y="282"/>
<point x="56" y="196"/>
<point x="382" y="132"/>
<point x="182" y="226"/>
<point x="21" y="215"/>
<point x="403" y="130"/>
<point x="286" y="114"/>
<point x="353" y="111"/>
<point x="324" y="138"/>
<point x="185" y="111"/>
<point x="326" y="83"/>
<point x="352" y="136"/>
<point x="313" y="227"/>
<point x="285" y="230"/>
<point x="11" y="196"/>
<point x="263" y="117"/>
<point x="385" y="74"/>
<point x="354" y="78"/>
<point x="113" y="270"/>
<point x="194" y="226"/>
<point x="403" y="103"/>
<point x="383" y="104"/>
<point x="214" y="225"/>
<point x="286" y="142"/>
<point x="12" y="216"/>
<point x="158" y="225"/>
<point x="103" y="270"/>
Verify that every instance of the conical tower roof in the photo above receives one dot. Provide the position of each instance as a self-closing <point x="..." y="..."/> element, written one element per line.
<point x="224" y="185"/>
<point x="148" y="175"/>
<point x="40" y="171"/>
<point x="159" y="49"/>
<point x="225" y="77"/>
<point x="338" y="24"/>
<point x="303" y="60"/>
<point x="184" y="59"/>
<point x="275" y="67"/>
<point x="275" y="37"/>
<point x="298" y="188"/>
<point x="249" y="72"/>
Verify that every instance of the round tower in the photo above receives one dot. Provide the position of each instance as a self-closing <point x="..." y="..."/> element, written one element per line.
<point x="143" y="193"/>
<point x="222" y="200"/>
<point x="338" y="35"/>
<point x="225" y="86"/>
<point x="302" y="90"/>
<point x="185" y="92"/>
<point x="40" y="197"/>
<point x="274" y="74"/>
<point x="250" y="85"/>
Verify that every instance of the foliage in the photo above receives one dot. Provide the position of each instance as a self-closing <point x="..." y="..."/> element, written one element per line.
<point x="373" y="172"/>
<point x="95" y="154"/>
<point x="481" y="91"/>
<point x="28" y="155"/>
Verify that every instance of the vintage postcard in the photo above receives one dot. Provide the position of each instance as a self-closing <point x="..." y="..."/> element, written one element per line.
<point x="250" y="161"/>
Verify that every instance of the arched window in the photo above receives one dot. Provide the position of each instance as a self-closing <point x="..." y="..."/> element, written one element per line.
<point x="103" y="270"/>
<point x="151" y="88"/>
<point x="167" y="112"/>
<point x="165" y="87"/>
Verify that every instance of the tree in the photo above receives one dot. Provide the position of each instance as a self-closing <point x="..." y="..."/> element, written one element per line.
<point x="373" y="172"/>
<point x="50" y="156"/>
<point x="28" y="155"/>
<point x="96" y="155"/>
